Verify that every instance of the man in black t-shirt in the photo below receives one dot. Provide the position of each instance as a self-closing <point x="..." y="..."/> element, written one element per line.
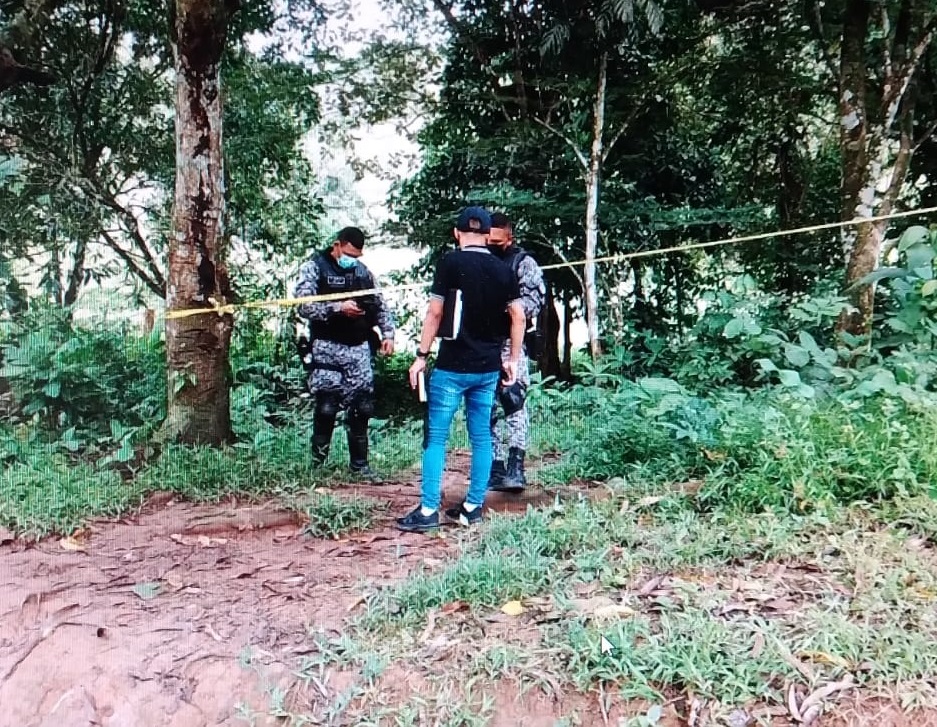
<point x="475" y="297"/>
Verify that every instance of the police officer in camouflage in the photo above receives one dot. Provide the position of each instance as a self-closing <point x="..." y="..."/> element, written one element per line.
<point x="507" y="473"/>
<point x="341" y="376"/>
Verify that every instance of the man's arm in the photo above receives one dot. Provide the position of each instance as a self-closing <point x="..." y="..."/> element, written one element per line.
<point x="518" y="326"/>
<point x="308" y="285"/>
<point x="427" y="336"/>
<point x="431" y="323"/>
<point x="532" y="288"/>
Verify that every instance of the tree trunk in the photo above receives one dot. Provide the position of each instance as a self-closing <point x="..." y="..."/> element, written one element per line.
<point x="77" y="275"/>
<point x="567" y="365"/>
<point x="197" y="346"/>
<point x="593" y="179"/>
<point x="876" y="160"/>
<point x="549" y="360"/>
<point x="857" y="247"/>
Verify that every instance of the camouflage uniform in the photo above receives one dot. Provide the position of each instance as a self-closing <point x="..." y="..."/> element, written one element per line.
<point x="341" y="373"/>
<point x="511" y="477"/>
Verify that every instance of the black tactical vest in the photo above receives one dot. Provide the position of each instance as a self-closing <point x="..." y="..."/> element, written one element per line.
<point x="340" y="328"/>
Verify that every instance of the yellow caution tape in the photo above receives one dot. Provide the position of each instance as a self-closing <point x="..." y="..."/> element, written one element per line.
<point x="229" y="308"/>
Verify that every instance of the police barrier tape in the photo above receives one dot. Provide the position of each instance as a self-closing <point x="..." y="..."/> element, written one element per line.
<point x="228" y="308"/>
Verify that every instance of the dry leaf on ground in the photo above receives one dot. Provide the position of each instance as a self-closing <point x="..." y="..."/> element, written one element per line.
<point x="513" y="608"/>
<point x="72" y="544"/>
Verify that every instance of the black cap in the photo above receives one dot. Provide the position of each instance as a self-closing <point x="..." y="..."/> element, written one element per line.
<point x="474" y="219"/>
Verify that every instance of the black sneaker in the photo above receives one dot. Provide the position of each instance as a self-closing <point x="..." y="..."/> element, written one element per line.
<point x="366" y="474"/>
<point x="464" y="517"/>
<point x="417" y="522"/>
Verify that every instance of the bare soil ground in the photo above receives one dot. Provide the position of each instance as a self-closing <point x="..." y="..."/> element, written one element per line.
<point x="187" y="615"/>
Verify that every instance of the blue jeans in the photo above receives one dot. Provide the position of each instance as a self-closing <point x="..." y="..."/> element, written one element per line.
<point x="445" y="393"/>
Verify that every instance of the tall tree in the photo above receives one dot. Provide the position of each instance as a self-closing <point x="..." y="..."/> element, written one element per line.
<point x="197" y="346"/>
<point x="882" y="49"/>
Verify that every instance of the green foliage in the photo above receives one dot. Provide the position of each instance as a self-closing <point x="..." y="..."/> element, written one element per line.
<point x="751" y="451"/>
<point x="330" y="516"/>
<point x="396" y="401"/>
<point x="72" y="377"/>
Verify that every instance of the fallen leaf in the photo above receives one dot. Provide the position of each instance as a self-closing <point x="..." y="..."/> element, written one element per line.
<point x="357" y="602"/>
<point x="651" y="586"/>
<point x="815" y="698"/>
<point x="792" y="703"/>
<point x="453" y="607"/>
<point x="147" y="591"/>
<point x="513" y="608"/>
<point x="174" y="581"/>
<point x="758" y="646"/>
<point x="617" y="610"/>
<point x="648" y="501"/>
<point x="72" y="544"/>
<point x="821" y="657"/>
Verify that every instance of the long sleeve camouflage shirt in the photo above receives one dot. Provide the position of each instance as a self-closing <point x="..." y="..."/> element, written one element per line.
<point x="308" y="285"/>
<point x="532" y="288"/>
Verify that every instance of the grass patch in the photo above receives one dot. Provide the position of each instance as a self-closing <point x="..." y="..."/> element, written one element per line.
<point x="330" y="516"/>
<point x="743" y="599"/>
<point x="48" y="493"/>
<point x="46" y="490"/>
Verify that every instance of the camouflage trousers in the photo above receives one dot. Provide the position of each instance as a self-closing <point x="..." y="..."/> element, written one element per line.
<point x="342" y="372"/>
<point x="510" y="431"/>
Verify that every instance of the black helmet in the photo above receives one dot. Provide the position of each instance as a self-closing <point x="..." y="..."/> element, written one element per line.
<point x="512" y="397"/>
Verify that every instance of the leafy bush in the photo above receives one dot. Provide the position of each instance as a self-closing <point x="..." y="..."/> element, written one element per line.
<point x="69" y="376"/>
<point x="750" y="450"/>
<point x="396" y="401"/>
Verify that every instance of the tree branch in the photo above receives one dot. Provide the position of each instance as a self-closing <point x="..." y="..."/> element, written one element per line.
<point x="815" y="20"/>
<point x="888" y="40"/>
<point x="896" y="91"/>
<point x="580" y="157"/>
<point x="461" y="32"/>
<point x="931" y="129"/>
<point x="621" y="130"/>
<point x="157" y="287"/>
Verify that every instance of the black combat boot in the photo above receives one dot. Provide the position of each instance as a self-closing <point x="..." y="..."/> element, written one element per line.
<point x="496" y="480"/>
<point x="358" y="454"/>
<point x="514" y="480"/>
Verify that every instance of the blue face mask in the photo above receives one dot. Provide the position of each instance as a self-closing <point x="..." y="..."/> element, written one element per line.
<point x="346" y="262"/>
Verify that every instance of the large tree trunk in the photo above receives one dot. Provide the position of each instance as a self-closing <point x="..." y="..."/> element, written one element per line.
<point x="593" y="179"/>
<point x="858" y="248"/>
<point x="877" y="140"/>
<point x="566" y="367"/>
<point x="197" y="346"/>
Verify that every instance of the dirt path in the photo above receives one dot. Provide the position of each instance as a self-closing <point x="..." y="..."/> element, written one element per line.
<point x="195" y="615"/>
<point x="188" y="615"/>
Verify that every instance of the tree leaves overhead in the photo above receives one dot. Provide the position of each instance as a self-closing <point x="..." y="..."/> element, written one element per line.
<point x="96" y="150"/>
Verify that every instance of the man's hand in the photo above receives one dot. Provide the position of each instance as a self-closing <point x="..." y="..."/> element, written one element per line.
<point x="415" y="368"/>
<point x="387" y="347"/>
<point x="510" y="372"/>
<point x="350" y="308"/>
